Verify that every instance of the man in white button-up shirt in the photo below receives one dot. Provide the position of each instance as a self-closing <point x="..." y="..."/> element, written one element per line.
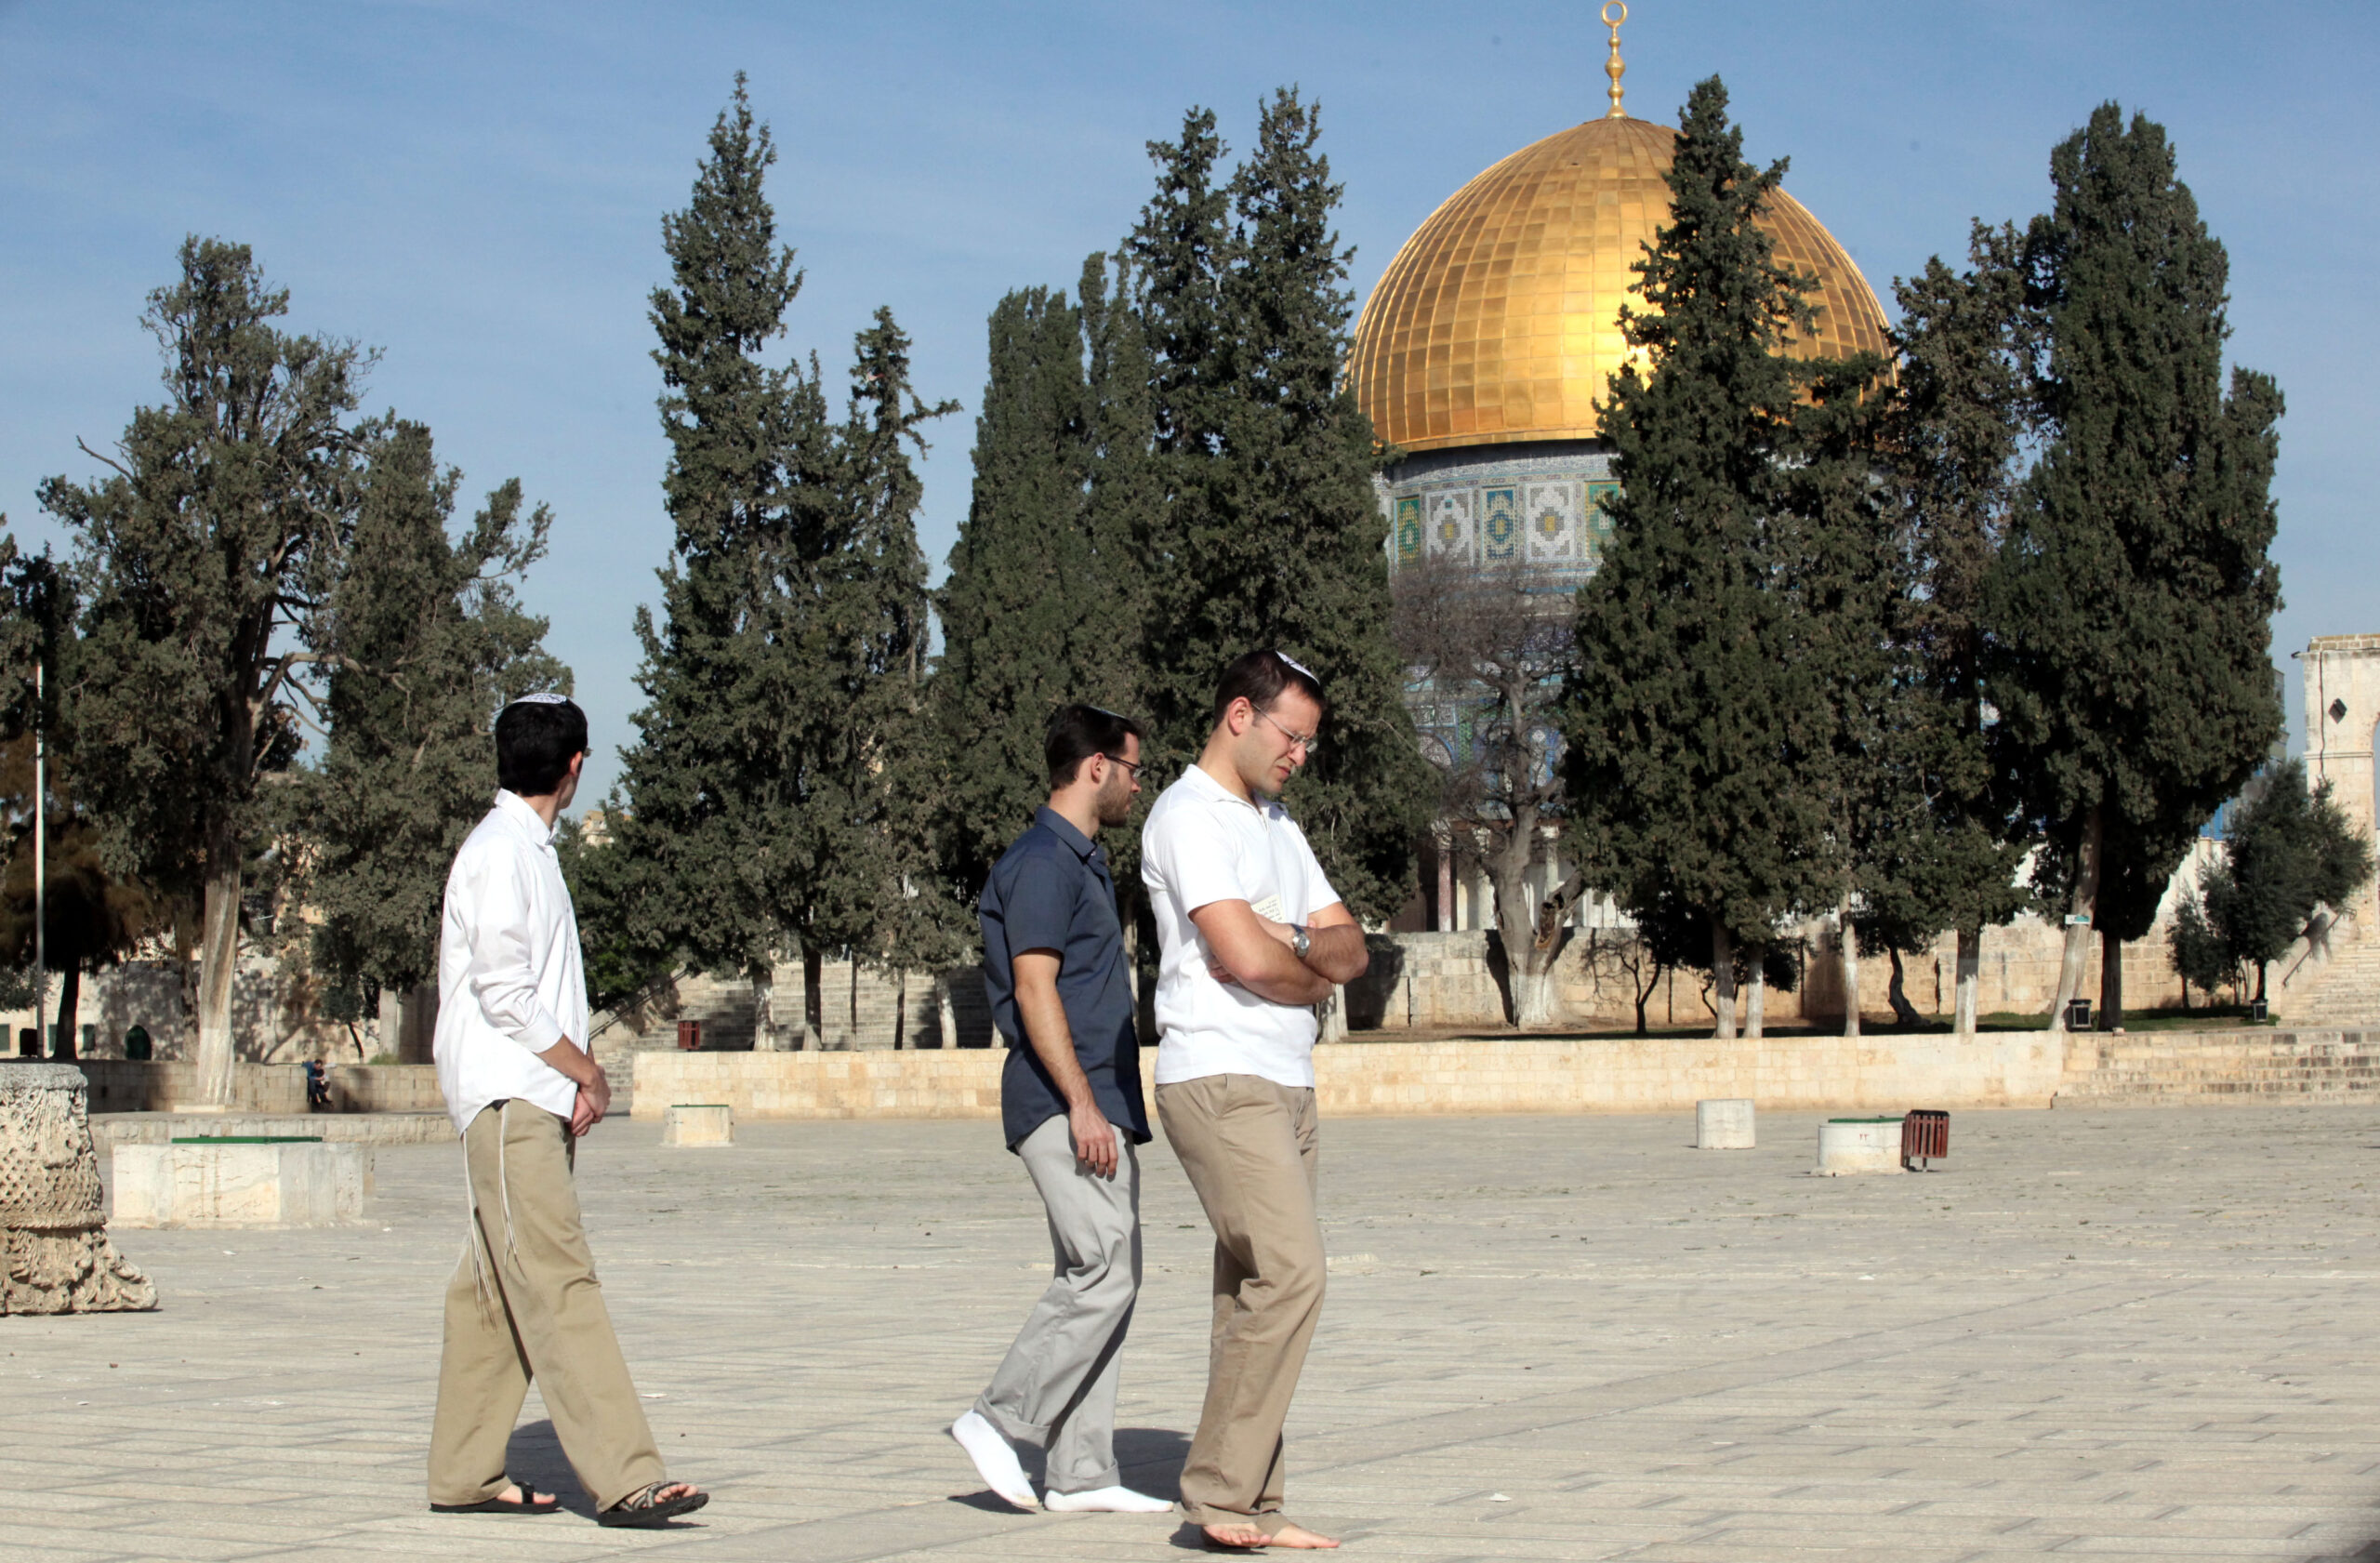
<point x="524" y="1303"/>
<point x="1251" y="937"/>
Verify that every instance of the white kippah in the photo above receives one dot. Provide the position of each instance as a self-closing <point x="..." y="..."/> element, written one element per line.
<point x="547" y="697"/>
<point x="1299" y="666"/>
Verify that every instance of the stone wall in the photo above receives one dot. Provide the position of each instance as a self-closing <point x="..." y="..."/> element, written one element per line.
<point x="1437" y="981"/>
<point x="1655" y="1074"/>
<point x="1484" y="1076"/>
<point x="898" y="1010"/>
<point x="121" y="1086"/>
<point x="275" y="1020"/>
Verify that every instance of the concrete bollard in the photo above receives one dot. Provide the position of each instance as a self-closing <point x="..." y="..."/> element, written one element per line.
<point x="691" y="1123"/>
<point x="231" y="1182"/>
<point x="1722" y="1123"/>
<point x="1859" y="1144"/>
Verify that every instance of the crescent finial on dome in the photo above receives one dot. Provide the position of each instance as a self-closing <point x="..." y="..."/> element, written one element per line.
<point x="1613" y="67"/>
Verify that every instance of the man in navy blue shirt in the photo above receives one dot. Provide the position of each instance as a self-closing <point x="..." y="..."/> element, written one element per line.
<point x="1070" y="1102"/>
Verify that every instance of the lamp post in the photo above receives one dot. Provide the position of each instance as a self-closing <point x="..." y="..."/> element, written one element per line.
<point x="41" y="873"/>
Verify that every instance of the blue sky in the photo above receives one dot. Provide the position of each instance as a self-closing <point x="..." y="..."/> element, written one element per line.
<point x="476" y="189"/>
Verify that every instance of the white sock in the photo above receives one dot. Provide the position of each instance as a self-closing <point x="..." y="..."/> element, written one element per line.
<point x="1105" y="1499"/>
<point x="994" y="1460"/>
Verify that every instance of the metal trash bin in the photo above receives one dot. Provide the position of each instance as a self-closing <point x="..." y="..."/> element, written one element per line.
<point x="2078" y="1014"/>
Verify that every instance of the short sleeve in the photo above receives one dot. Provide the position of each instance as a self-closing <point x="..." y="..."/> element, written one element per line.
<point x="1191" y="858"/>
<point x="1037" y="904"/>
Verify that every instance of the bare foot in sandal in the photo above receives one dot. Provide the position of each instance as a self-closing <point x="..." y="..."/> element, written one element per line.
<point x="654" y="1504"/>
<point x="1247" y="1533"/>
<point x="516" y="1498"/>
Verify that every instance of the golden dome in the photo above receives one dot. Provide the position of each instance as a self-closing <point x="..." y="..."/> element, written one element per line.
<point x="1498" y="321"/>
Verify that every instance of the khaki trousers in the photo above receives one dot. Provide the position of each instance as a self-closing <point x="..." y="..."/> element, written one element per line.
<point x="1251" y="1148"/>
<point x="525" y="1304"/>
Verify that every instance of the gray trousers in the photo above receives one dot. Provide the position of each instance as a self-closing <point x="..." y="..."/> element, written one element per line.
<point x="1056" y="1386"/>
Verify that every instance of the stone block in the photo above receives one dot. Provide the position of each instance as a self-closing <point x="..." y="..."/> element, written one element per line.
<point x="1722" y="1123"/>
<point x="55" y="1256"/>
<point x="228" y="1183"/>
<point x="698" y="1123"/>
<point x="1859" y="1144"/>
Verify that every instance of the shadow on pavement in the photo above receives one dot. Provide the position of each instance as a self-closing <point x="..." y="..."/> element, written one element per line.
<point x="1151" y="1459"/>
<point x="535" y="1456"/>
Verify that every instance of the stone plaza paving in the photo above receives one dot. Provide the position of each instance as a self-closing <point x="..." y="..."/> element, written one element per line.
<point x="2143" y="1333"/>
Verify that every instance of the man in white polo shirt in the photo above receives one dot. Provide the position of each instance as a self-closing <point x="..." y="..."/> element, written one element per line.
<point x="1251" y="937"/>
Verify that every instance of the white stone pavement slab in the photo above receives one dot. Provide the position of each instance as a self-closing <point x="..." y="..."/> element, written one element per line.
<point x="2134" y="1334"/>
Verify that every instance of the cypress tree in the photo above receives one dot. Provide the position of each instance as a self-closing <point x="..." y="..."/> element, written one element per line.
<point x="2132" y="600"/>
<point x="1947" y="847"/>
<point x="708" y="864"/>
<point x="1691" y="722"/>
<point x="1042" y="606"/>
<point x="863" y="877"/>
<point x="1271" y="531"/>
<point x="1023" y="579"/>
<point x="1843" y="683"/>
<point x="208" y="551"/>
<point x="426" y="641"/>
<point x="1124" y="495"/>
<point x="1179" y="252"/>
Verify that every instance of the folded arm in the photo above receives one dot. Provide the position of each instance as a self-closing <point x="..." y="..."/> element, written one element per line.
<point x="1248" y="951"/>
<point x="1338" y="952"/>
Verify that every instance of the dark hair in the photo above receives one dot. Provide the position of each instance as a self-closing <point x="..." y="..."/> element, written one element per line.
<point x="1259" y="677"/>
<point x="1079" y="731"/>
<point x="535" y="740"/>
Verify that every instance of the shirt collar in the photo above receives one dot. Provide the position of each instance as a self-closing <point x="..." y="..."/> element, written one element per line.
<point x="1197" y="775"/>
<point x="1063" y="828"/>
<point x="516" y="808"/>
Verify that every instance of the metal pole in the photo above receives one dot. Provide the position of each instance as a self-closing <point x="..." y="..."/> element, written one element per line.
<point x="41" y="876"/>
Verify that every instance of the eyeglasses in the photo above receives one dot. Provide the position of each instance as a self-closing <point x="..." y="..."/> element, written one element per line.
<point x="1131" y="765"/>
<point x="1307" y="741"/>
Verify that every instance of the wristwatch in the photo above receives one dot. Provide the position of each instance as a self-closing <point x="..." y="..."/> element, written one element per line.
<point x="1300" y="940"/>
